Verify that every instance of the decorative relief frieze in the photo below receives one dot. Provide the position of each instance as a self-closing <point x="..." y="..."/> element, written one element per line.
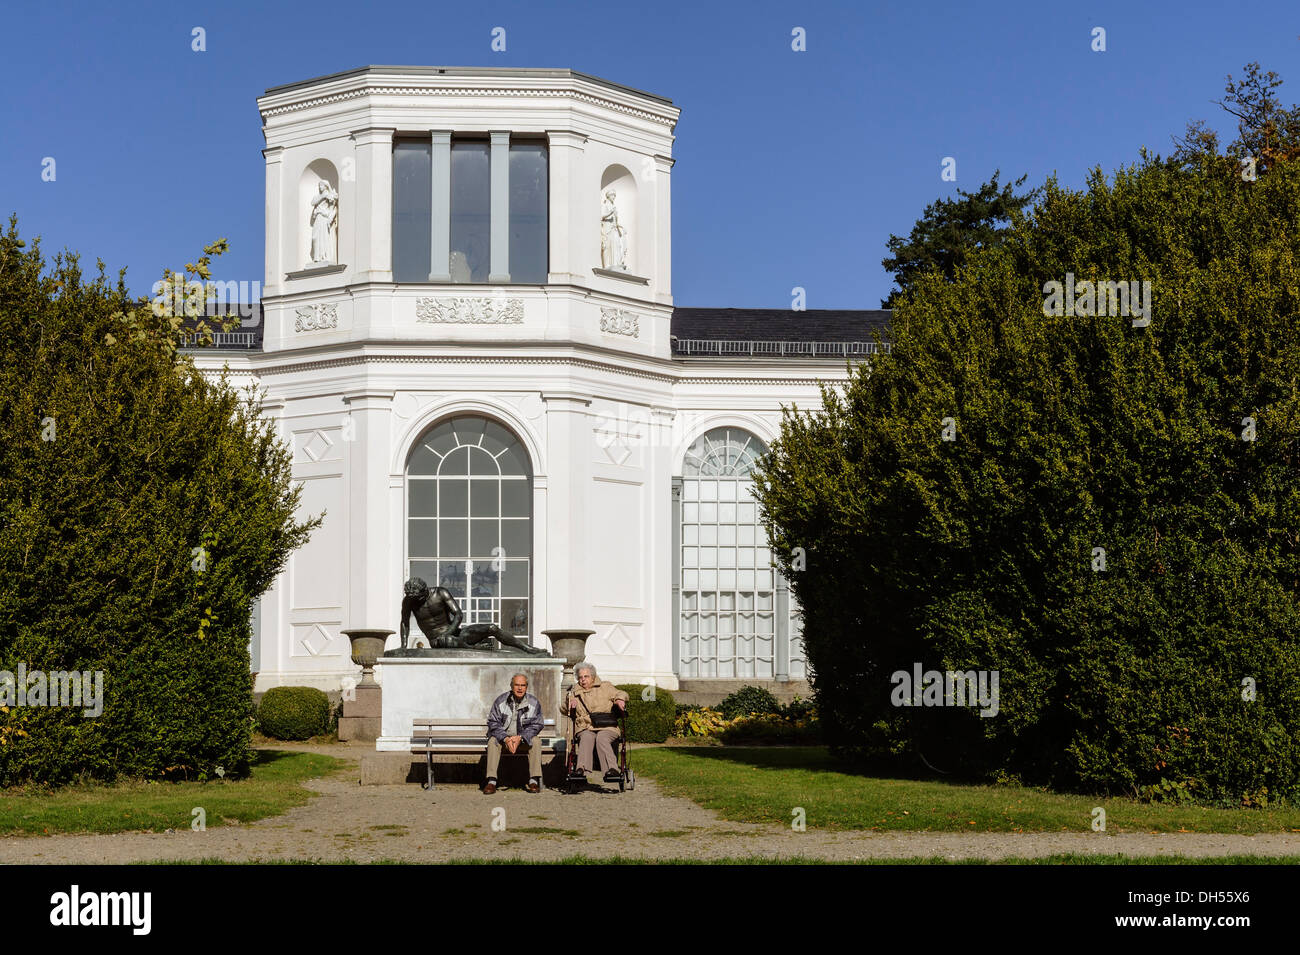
<point x="315" y="317"/>
<point x="619" y="321"/>
<point x="470" y="311"/>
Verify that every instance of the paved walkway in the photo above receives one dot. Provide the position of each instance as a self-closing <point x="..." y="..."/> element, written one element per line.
<point x="408" y="824"/>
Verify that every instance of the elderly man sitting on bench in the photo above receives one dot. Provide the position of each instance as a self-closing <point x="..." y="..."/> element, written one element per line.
<point x="513" y="724"/>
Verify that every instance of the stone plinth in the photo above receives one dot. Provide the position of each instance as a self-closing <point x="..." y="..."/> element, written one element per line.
<point x="457" y="685"/>
<point x="361" y="715"/>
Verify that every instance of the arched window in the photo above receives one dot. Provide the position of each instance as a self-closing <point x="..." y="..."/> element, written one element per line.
<point x="730" y="620"/>
<point x="469" y="494"/>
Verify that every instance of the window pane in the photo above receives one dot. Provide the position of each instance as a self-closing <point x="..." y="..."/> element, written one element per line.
<point x="483" y="498"/>
<point x="480" y="462"/>
<point x="422" y="540"/>
<point x="471" y="184"/>
<point x="709" y="535"/>
<point x="690" y="513"/>
<point x="483" y="537"/>
<point x="454" y="498"/>
<point x="515" y="461"/>
<point x="412" y="188"/>
<point x="528" y="201"/>
<point x="426" y="570"/>
<point x="515" y="538"/>
<point x="516" y="499"/>
<point x="496" y="438"/>
<point x="454" y="540"/>
<point x="484" y="582"/>
<point x="451" y="575"/>
<point x="456" y="463"/>
<point x="423" y="498"/>
<point x="690" y="534"/>
<point x="514" y="578"/>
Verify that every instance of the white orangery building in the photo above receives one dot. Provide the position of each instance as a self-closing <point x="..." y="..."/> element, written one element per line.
<point x="467" y="334"/>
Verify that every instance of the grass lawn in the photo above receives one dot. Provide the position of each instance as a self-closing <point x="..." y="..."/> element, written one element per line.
<point x="273" y="787"/>
<point x="764" y="784"/>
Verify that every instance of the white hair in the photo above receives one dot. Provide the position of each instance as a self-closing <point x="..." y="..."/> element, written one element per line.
<point x="577" y="671"/>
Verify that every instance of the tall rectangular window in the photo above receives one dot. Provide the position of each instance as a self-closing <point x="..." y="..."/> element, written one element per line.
<point x="467" y="223"/>
<point x="471" y="211"/>
<point x="528" y="213"/>
<point x="412" y="190"/>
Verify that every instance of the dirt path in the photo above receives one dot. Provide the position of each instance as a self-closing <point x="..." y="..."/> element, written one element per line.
<point x="406" y="823"/>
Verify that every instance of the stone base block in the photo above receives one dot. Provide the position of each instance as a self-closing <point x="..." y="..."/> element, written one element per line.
<point x="363" y="728"/>
<point x="367" y="702"/>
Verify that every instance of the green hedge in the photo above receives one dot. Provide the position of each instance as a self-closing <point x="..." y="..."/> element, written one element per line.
<point x="652" y="720"/>
<point x="293" y="712"/>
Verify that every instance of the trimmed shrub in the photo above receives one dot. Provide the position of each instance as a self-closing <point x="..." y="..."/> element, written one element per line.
<point x="747" y="700"/>
<point x="293" y="712"/>
<point x="649" y="721"/>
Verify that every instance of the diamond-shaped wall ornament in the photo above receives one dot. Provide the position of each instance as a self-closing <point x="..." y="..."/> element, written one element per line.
<point x="316" y="640"/>
<point x="616" y="447"/>
<point x="617" y="640"/>
<point x="316" y="446"/>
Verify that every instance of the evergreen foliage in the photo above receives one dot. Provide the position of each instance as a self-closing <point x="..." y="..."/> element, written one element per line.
<point x="1071" y="434"/>
<point x="142" y="510"/>
<point x="652" y="720"/>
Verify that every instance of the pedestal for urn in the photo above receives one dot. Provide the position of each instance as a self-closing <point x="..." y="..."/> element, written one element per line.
<point x="571" y="647"/>
<point x="362" y="704"/>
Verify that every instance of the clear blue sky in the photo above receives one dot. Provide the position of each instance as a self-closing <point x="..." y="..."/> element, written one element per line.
<point x="792" y="168"/>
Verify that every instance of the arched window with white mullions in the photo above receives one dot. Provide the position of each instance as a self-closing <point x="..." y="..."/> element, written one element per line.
<point x="469" y="518"/>
<point x="731" y="606"/>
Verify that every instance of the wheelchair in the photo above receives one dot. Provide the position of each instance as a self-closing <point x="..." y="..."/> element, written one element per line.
<point x="574" y="780"/>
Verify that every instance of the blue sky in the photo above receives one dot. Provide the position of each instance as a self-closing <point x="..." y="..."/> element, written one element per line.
<point x="793" y="168"/>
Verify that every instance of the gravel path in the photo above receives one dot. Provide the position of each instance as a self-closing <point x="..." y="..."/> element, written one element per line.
<point x="408" y="824"/>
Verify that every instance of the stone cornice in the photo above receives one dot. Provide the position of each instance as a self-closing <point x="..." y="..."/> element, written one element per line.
<point x="664" y="119"/>
<point x="668" y="378"/>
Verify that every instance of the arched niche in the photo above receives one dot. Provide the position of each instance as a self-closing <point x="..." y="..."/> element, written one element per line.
<point x="318" y="215"/>
<point x="620" y="245"/>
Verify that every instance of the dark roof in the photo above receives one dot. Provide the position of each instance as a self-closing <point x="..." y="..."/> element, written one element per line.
<point x="454" y="71"/>
<point x="695" y="331"/>
<point x="822" y="327"/>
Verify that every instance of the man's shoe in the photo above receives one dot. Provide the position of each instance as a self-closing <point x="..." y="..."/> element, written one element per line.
<point x="533" y="786"/>
<point x="612" y="775"/>
<point x="489" y="787"/>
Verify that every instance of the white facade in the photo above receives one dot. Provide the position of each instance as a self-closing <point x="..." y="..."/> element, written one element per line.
<point x="358" y="369"/>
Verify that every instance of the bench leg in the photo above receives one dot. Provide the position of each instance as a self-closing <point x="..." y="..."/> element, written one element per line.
<point x="428" y="771"/>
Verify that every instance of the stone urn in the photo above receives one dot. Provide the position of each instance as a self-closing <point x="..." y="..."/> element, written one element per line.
<point x="571" y="647"/>
<point x="367" y="646"/>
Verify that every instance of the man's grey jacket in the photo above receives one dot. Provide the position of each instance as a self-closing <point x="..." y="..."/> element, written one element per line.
<point x="531" y="722"/>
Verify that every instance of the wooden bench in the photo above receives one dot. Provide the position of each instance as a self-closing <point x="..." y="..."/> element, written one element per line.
<point x="452" y="737"/>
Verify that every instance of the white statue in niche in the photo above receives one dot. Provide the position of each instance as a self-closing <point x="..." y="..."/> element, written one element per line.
<point x="324" y="217"/>
<point x="613" y="237"/>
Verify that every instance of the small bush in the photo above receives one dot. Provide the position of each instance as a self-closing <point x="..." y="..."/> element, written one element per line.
<point x="701" y="721"/>
<point x="649" y="721"/>
<point x="293" y="712"/>
<point x="747" y="700"/>
<point x="770" y="728"/>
